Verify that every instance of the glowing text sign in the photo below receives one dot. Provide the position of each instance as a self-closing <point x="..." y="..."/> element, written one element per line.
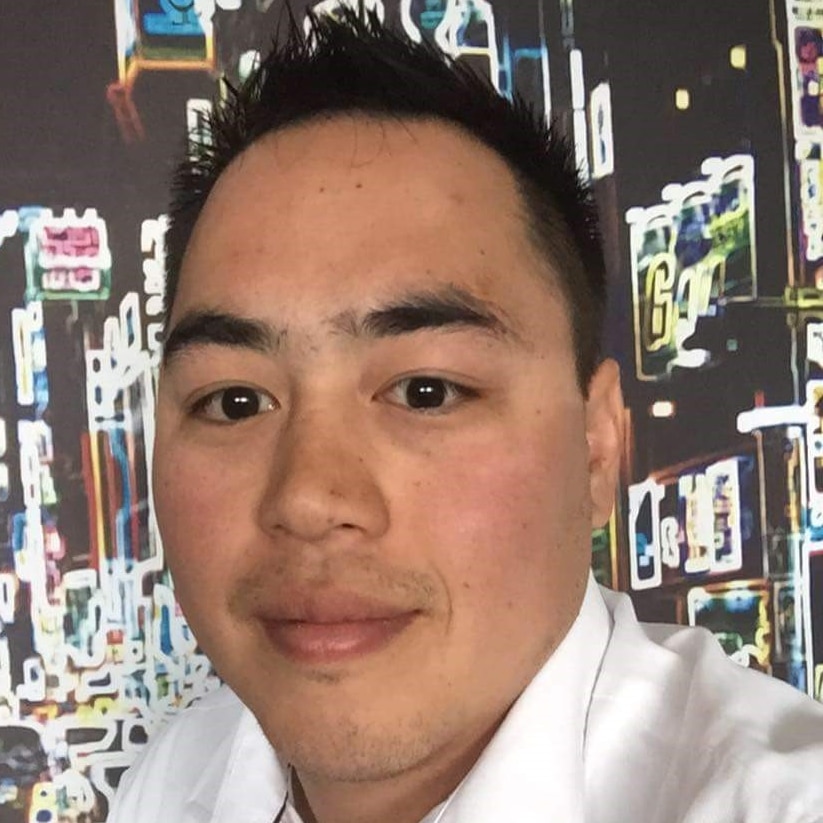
<point x="68" y="257"/>
<point x="689" y="256"/>
<point x="693" y="524"/>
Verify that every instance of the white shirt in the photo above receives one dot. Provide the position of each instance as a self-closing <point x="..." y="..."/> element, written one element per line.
<point x="625" y="723"/>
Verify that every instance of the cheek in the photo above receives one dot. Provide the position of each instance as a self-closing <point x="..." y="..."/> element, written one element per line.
<point x="507" y="521"/>
<point x="199" y="505"/>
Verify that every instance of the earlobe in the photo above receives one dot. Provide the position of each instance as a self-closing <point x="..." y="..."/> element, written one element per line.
<point x="604" y="435"/>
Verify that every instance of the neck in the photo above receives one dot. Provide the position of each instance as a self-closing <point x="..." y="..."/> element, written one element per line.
<point x="403" y="798"/>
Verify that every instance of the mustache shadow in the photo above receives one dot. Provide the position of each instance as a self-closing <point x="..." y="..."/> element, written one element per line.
<point x="291" y="579"/>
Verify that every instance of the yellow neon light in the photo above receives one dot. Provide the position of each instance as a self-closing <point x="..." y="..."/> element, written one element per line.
<point x="94" y="445"/>
<point x="737" y="57"/>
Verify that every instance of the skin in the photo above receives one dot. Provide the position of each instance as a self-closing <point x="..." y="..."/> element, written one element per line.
<point x="473" y="516"/>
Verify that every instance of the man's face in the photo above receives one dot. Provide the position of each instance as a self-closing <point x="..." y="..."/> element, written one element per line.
<point x="375" y="474"/>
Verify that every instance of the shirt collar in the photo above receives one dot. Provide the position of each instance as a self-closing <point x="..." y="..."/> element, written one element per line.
<point x="533" y="766"/>
<point x="251" y="777"/>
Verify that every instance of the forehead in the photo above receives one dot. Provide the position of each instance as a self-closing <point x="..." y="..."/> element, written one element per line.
<point x="423" y="158"/>
<point x="355" y="206"/>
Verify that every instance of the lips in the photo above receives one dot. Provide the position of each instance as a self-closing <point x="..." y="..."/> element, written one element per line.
<point x="333" y="627"/>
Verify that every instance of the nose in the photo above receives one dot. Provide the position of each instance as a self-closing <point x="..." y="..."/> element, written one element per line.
<point x="321" y="485"/>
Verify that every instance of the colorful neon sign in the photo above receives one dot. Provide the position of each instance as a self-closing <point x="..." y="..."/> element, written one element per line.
<point x="805" y="50"/>
<point x="695" y="523"/>
<point x="68" y="257"/>
<point x="739" y="617"/>
<point x="689" y="256"/>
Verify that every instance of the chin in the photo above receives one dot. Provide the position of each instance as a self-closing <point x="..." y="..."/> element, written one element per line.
<point x="349" y="751"/>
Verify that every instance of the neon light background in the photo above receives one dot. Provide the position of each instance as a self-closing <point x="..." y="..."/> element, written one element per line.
<point x="701" y="127"/>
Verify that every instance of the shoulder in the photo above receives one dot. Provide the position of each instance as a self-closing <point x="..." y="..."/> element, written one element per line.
<point x="198" y="739"/>
<point x="714" y="740"/>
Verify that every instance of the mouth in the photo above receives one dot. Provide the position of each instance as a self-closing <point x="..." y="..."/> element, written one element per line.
<point x="334" y="628"/>
<point x="326" y="643"/>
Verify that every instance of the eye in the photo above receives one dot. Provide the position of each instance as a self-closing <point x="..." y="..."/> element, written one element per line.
<point x="233" y="404"/>
<point x="428" y="393"/>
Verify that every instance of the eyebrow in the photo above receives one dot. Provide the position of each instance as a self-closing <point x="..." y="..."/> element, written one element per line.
<point x="450" y="308"/>
<point x="204" y="327"/>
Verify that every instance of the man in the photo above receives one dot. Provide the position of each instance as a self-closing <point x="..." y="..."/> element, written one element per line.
<point x="384" y="434"/>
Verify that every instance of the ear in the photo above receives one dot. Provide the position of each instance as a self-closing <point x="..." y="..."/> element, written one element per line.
<point x="604" y="435"/>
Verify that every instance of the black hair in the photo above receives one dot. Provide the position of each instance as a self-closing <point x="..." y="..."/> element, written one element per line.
<point x="352" y="63"/>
